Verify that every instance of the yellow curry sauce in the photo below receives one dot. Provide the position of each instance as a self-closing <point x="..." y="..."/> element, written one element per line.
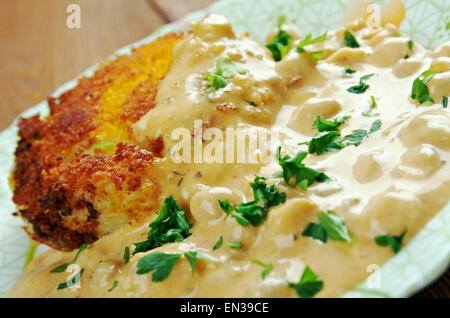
<point x="396" y="179"/>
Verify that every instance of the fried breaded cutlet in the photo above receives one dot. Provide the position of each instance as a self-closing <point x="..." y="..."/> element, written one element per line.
<point x="78" y="173"/>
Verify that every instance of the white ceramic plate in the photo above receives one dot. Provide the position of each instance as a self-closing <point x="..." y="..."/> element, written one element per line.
<point x="423" y="260"/>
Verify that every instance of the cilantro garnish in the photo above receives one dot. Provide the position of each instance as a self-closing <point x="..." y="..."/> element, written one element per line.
<point x="254" y="212"/>
<point x="330" y="225"/>
<point x="170" y="226"/>
<point x="235" y="244"/>
<point x="126" y="254"/>
<point x="280" y="45"/>
<point x="395" y="242"/>
<point x="267" y="267"/>
<point x="369" y="112"/>
<point x="420" y="89"/>
<point x="113" y="286"/>
<point x="350" y="40"/>
<point x="308" y="285"/>
<point x="444" y="101"/>
<point x="361" y="87"/>
<point x="293" y="167"/>
<point x="159" y="262"/>
<point x="308" y="40"/>
<point x="218" y="243"/>
<point x="226" y="69"/>
<point x="61" y="268"/>
<point x="348" y="70"/>
<point x="72" y="281"/>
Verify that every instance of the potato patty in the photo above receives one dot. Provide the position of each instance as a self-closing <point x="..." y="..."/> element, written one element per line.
<point x="78" y="173"/>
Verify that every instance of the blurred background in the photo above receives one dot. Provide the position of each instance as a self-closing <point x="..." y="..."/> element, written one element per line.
<point x="38" y="52"/>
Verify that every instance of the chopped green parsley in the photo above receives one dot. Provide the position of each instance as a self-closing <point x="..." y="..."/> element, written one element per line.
<point x="254" y="212"/>
<point x="234" y="244"/>
<point x="61" y="268"/>
<point x="308" y="285"/>
<point x="419" y="90"/>
<point x="267" y="267"/>
<point x="350" y="40"/>
<point x="395" y="242"/>
<point x="159" y="262"/>
<point x="330" y="225"/>
<point x="170" y="226"/>
<point x="362" y="86"/>
<point x="226" y="69"/>
<point x="294" y="168"/>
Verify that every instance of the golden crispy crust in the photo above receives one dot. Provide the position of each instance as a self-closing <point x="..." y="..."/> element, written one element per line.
<point x="70" y="193"/>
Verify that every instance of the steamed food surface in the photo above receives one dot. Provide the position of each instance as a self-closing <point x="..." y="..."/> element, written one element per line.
<point x="389" y="182"/>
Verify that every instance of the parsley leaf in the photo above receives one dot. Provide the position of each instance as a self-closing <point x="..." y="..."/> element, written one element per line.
<point x="308" y="40"/>
<point x="321" y="124"/>
<point x="61" y="268"/>
<point x="113" y="286"/>
<point x="72" y="281"/>
<point x="368" y="112"/>
<point x="361" y="87"/>
<point x="334" y="226"/>
<point x="308" y="285"/>
<point x="126" y="254"/>
<point x="359" y="134"/>
<point x="326" y="141"/>
<point x="158" y="262"/>
<point x="376" y="125"/>
<point x="170" y="226"/>
<point x="350" y="40"/>
<point x="226" y="69"/>
<point x="419" y="90"/>
<point x="316" y="231"/>
<point x="226" y="206"/>
<point x="267" y="267"/>
<point x="235" y="244"/>
<point x="280" y="45"/>
<point x="329" y="138"/>
<point x="293" y="167"/>
<point x="395" y="242"/>
<point x="229" y="68"/>
<point x="410" y="44"/>
<point x="216" y="80"/>
<point x="218" y="243"/>
<point x="254" y="212"/>
<point x="192" y="259"/>
<point x="330" y="225"/>
<point x="348" y="70"/>
<point x="444" y="101"/>
<point x="356" y="137"/>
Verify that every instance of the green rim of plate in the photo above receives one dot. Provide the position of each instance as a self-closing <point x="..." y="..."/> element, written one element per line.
<point x="418" y="264"/>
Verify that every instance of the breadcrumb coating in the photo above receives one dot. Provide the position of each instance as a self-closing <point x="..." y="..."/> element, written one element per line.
<point x="70" y="192"/>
